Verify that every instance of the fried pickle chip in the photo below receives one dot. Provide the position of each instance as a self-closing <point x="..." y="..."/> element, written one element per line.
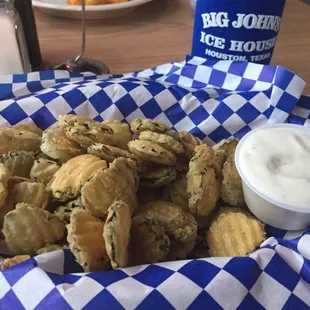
<point x="149" y="244"/>
<point x="29" y="127"/>
<point x="8" y="206"/>
<point x="28" y="229"/>
<point x="87" y="134"/>
<point x="152" y="152"/>
<point x="50" y="248"/>
<point x="72" y="120"/>
<point x="189" y="142"/>
<point x="203" y="181"/>
<point x="43" y="170"/>
<point x="70" y="178"/>
<point x="128" y="169"/>
<point x="4" y="178"/>
<point x="228" y="146"/>
<point x="31" y="193"/>
<point x="231" y="189"/>
<point x="5" y="174"/>
<point x="145" y="124"/>
<point x="10" y="262"/>
<point x="13" y="140"/>
<point x="108" y="152"/>
<point x="178" y="224"/>
<point x="234" y="233"/>
<point x="18" y="163"/>
<point x="176" y="192"/>
<point x="86" y="242"/>
<point x="203" y="191"/>
<point x="158" y="177"/>
<point x="121" y="131"/>
<point x="22" y="205"/>
<point x="117" y="233"/>
<point x="163" y="140"/>
<point x="204" y="155"/>
<point x="64" y="212"/>
<point x="56" y="145"/>
<point x="109" y="185"/>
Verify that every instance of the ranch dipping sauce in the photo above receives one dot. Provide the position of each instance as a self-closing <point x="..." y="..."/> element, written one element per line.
<point x="276" y="162"/>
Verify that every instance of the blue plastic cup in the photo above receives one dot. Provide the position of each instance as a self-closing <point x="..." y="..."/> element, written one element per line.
<point x="238" y="30"/>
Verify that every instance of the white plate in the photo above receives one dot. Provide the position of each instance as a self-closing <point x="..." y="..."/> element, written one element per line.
<point x="61" y="9"/>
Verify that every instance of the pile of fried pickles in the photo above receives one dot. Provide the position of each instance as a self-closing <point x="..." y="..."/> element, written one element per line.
<point x="120" y="195"/>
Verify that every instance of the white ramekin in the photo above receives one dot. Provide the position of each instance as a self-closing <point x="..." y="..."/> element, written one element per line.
<point x="269" y="211"/>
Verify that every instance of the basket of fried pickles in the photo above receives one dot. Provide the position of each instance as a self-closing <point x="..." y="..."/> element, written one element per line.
<point x="120" y="195"/>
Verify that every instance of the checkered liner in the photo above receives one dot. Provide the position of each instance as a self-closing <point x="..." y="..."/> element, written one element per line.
<point x="211" y="99"/>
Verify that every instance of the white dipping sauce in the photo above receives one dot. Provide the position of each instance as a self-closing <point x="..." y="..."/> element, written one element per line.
<point x="276" y="162"/>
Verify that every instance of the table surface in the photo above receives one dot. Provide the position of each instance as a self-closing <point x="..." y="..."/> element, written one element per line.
<point x="160" y="32"/>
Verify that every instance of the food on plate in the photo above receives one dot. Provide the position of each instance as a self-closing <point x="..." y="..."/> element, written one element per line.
<point x="18" y="163"/>
<point x="14" y="140"/>
<point x="121" y="131"/>
<point x="95" y="2"/>
<point x="189" y="142"/>
<point x="108" y="152"/>
<point x="64" y="212"/>
<point x="23" y="204"/>
<point x="231" y="188"/>
<point x="29" y="127"/>
<point x="68" y="181"/>
<point x="234" y="233"/>
<point x="149" y="242"/>
<point x="158" y="177"/>
<point x="87" y="134"/>
<point x="43" y="170"/>
<point x="31" y="193"/>
<point x="27" y="229"/>
<point x="117" y="234"/>
<point x="86" y="241"/>
<point x="179" y="225"/>
<point x="65" y="120"/>
<point x="56" y="145"/>
<point x="8" y="206"/>
<point x="122" y="195"/>
<point x="139" y="125"/>
<point x="227" y="146"/>
<point x="203" y="183"/>
<point x="4" y="179"/>
<point x="176" y="192"/>
<point x="167" y="142"/>
<point x="10" y="262"/>
<point x="109" y="185"/>
<point x="152" y="152"/>
<point x="128" y="169"/>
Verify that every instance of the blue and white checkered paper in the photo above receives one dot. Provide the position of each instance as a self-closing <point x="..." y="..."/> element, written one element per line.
<point x="211" y="99"/>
